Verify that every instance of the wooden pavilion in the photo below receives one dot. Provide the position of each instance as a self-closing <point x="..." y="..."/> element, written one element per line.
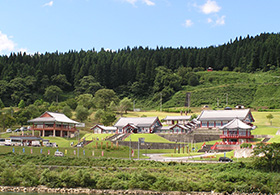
<point x="53" y="124"/>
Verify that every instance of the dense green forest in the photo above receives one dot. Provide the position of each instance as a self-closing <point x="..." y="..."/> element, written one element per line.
<point x="138" y="73"/>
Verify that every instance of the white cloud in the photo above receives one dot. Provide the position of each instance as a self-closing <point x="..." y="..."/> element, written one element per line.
<point x="188" y="23"/>
<point x="220" y="21"/>
<point x="210" y="7"/>
<point x="6" y="44"/>
<point x="133" y="2"/>
<point x="22" y="50"/>
<point x="48" y="4"/>
<point x="209" y="20"/>
<point x="148" y="2"/>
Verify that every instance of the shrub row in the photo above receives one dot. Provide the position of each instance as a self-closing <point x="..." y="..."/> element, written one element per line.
<point x="125" y="174"/>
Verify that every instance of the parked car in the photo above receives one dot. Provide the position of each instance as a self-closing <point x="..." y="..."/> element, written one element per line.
<point x="17" y="130"/>
<point x="49" y="144"/>
<point x="35" y="143"/>
<point x="9" y="130"/>
<point x="225" y="159"/>
<point x="23" y="128"/>
<point x="58" y="153"/>
<point x="80" y="145"/>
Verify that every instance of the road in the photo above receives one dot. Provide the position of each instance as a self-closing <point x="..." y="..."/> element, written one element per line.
<point x="160" y="157"/>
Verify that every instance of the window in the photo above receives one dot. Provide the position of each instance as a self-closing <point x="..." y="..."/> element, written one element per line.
<point x="218" y="123"/>
<point x="243" y="133"/>
<point x="211" y="123"/>
<point x="204" y="124"/>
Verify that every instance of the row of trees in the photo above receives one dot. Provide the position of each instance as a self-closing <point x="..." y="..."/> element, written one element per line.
<point x="105" y="101"/>
<point x="135" y="72"/>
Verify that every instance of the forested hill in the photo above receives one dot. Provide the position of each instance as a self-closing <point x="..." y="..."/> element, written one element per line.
<point x="131" y="72"/>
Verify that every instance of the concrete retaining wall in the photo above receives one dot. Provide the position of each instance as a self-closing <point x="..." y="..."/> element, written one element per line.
<point x="190" y="137"/>
<point x="243" y="153"/>
<point x="263" y="136"/>
<point x="151" y="145"/>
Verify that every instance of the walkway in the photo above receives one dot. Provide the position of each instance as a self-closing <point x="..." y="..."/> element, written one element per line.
<point x="160" y="157"/>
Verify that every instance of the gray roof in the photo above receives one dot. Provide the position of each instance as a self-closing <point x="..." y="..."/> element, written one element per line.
<point x="236" y="124"/>
<point x="106" y="128"/>
<point x="25" y="138"/>
<point x="55" y="117"/>
<point x="181" y="126"/>
<point x="226" y="115"/>
<point x="137" y="121"/>
<point x="184" y="117"/>
<point x="163" y="128"/>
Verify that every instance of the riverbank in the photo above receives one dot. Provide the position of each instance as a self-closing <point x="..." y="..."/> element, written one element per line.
<point x="44" y="189"/>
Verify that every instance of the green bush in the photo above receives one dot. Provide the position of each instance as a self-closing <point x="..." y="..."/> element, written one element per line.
<point x="105" y="182"/>
<point x="246" y="145"/>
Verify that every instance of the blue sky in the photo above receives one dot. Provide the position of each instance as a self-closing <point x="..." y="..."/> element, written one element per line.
<point x="62" y="25"/>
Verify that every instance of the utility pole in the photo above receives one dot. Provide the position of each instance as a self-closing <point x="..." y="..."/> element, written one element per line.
<point x="134" y="105"/>
<point x="130" y="147"/>
<point x="161" y="102"/>
<point x="138" y="148"/>
<point x="78" y="142"/>
<point x="227" y="99"/>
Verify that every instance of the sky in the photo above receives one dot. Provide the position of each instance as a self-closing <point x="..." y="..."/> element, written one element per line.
<point x="41" y="26"/>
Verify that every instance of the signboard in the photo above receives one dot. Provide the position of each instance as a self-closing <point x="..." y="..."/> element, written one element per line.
<point x="141" y="140"/>
<point x="80" y="125"/>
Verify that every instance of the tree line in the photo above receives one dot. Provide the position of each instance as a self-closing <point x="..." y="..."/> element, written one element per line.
<point x="130" y="72"/>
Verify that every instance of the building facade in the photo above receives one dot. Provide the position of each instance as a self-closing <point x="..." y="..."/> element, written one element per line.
<point x="219" y="118"/>
<point x="172" y="120"/>
<point x="53" y="124"/>
<point x="236" y="132"/>
<point x="98" y="129"/>
<point x="137" y="124"/>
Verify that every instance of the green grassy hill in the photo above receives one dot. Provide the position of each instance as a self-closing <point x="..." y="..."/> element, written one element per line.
<point x="251" y="90"/>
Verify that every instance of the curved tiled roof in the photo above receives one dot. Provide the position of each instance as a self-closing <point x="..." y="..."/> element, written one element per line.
<point x="177" y="118"/>
<point x="53" y="117"/>
<point x="226" y="115"/>
<point x="236" y="124"/>
<point x="137" y="121"/>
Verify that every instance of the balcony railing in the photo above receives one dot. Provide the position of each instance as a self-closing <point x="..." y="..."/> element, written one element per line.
<point x="237" y="136"/>
<point x="53" y="128"/>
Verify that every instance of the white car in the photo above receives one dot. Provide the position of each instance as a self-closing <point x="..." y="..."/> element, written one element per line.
<point x="58" y="153"/>
<point x="80" y="145"/>
<point x="9" y="130"/>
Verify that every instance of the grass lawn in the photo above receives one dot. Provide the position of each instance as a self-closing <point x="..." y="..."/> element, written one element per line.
<point x="261" y="120"/>
<point x="120" y="152"/>
<point x="60" y="141"/>
<point x="160" y="115"/>
<point x="275" y="139"/>
<point x="92" y="136"/>
<point x="265" y="130"/>
<point x="182" y="154"/>
<point x="148" y="138"/>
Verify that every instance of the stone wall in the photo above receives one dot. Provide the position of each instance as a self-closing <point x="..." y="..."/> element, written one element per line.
<point x="178" y="137"/>
<point x="195" y="137"/>
<point x="45" y="190"/>
<point x="243" y="153"/>
<point x="150" y="145"/>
